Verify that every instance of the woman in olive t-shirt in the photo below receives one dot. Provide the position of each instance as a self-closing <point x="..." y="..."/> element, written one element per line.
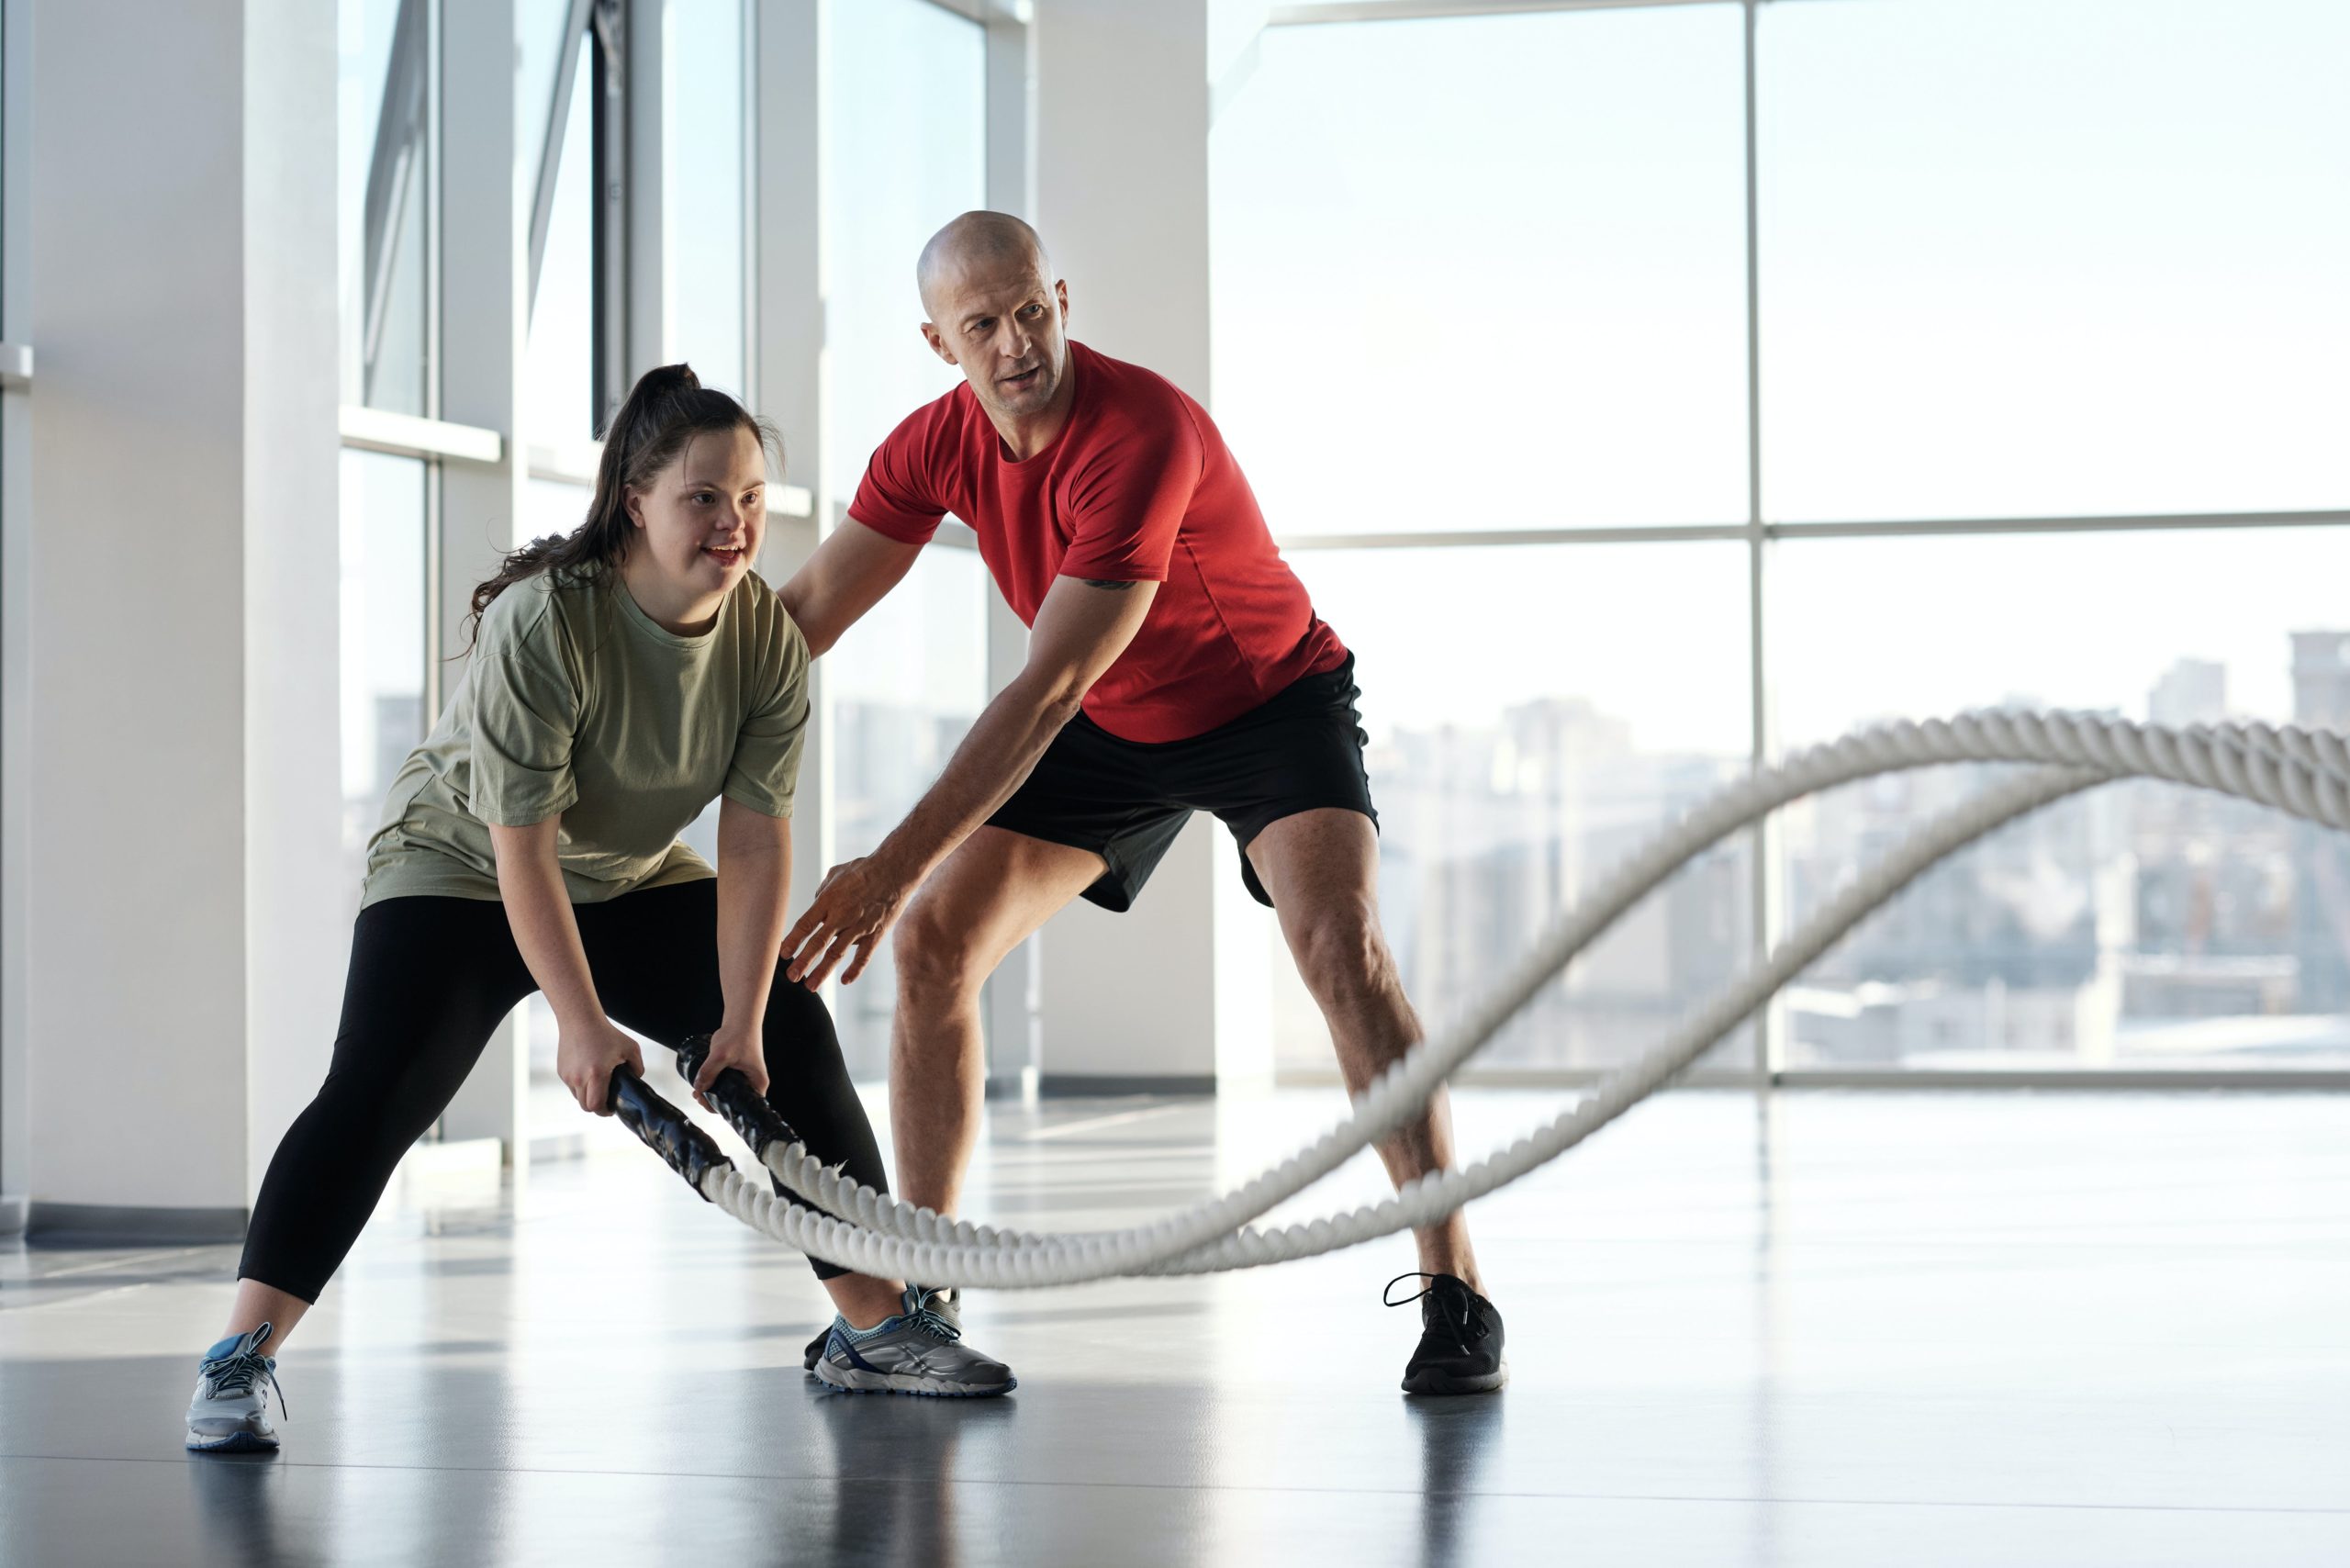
<point x="622" y="678"/>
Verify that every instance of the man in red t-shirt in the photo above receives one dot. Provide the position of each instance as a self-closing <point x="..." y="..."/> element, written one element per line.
<point x="1176" y="664"/>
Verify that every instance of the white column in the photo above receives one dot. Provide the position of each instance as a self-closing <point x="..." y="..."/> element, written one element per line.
<point x="16" y="639"/>
<point x="1015" y="1023"/>
<point x="785" y="219"/>
<point x="1173" y="994"/>
<point x="298" y="947"/>
<point x="485" y="317"/>
<point x="645" y="43"/>
<point x="147" y="916"/>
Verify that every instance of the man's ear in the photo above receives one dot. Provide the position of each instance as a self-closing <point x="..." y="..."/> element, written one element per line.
<point x="937" y="342"/>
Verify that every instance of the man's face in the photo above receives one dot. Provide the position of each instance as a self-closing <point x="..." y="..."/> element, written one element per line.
<point x="1006" y="328"/>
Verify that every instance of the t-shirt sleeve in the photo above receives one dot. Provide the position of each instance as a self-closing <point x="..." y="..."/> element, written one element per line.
<point x="526" y="712"/>
<point x="900" y="493"/>
<point x="765" y="774"/>
<point x="1128" y="502"/>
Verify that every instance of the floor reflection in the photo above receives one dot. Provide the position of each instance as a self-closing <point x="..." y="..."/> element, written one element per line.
<point x="1457" y="1438"/>
<point x="895" y="1500"/>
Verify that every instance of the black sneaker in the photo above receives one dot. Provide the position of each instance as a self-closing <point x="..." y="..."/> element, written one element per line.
<point x="1460" y="1339"/>
<point x="948" y="1303"/>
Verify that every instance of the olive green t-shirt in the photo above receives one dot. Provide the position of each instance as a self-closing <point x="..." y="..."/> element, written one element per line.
<point x="577" y="703"/>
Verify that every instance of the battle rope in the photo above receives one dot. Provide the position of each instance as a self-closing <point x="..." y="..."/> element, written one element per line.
<point x="2303" y="773"/>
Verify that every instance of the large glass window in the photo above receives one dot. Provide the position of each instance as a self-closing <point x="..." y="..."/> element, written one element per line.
<point x="907" y="146"/>
<point x="541" y="29"/>
<point x="384" y="658"/>
<point x="702" y="147"/>
<point x="2145" y="925"/>
<point x="384" y="208"/>
<point x="2026" y="258"/>
<point x="558" y="390"/>
<point x="385" y="190"/>
<point x="904" y="684"/>
<point x="1486" y="274"/>
<point x="1531" y="722"/>
<point x="906" y="142"/>
<point x="2043" y="257"/>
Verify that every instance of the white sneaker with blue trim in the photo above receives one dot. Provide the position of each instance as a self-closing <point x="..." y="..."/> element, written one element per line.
<point x="229" y="1413"/>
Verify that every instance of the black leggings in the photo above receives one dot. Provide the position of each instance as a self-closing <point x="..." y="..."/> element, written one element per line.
<point x="431" y="979"/>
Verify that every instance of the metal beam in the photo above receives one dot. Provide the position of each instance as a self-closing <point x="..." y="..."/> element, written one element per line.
<point x="1922" y="528"/>
<point x="2080" y="1077"/>
<point x="405" y="435"/>
<point x="1013" y="11"/>
<point x="566" y="72"/>
<point x="1423" y="10"/>
<point x="608" y="378"/>
<point x="2058" y="524"/>
<point x="1762" y="875"/>
<point x="1418" y="539"/>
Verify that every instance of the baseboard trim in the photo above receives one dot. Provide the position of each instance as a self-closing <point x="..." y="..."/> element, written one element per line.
<point x="1091" y="1086"/>
<point x="115" y="1225"/>
<point x="12" y="1215"/>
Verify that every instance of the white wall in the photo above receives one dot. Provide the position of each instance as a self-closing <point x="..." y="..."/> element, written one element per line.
<point x="1177" y="986"/>
<point x="182" y="471"/>
<point x="485" y="322"/>
<point x="296" y="949"/>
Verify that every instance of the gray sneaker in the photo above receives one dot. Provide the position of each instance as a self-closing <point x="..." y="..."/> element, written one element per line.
<point x="229" y="1413"/>
<point x="917" y="1351"/>
<point x="945" y="1302"/>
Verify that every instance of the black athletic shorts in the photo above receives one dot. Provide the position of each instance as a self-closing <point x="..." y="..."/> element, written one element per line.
<point x="1126" y="800"/>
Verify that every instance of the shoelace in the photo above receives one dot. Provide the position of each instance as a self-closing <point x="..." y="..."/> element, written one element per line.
<point x="237" y="1375"/>
<point x="1460" y="1331"/>
<point x="923" y="1318"/>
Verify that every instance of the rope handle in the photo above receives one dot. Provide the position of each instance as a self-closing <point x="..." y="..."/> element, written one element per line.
<point x="665" y="1130"/>
<point x="745" y="1108"/>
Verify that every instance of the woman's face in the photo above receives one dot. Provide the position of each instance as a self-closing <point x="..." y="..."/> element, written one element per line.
<point x="699" y="521"/>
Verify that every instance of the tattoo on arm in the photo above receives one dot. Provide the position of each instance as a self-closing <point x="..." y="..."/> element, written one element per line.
<point x="1111" y="587"/>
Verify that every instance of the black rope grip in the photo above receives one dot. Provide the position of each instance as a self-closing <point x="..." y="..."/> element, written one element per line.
<point x="689" y="1151"/>
<point x="746" y="1110"/>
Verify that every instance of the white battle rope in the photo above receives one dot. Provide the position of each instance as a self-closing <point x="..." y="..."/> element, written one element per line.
<point x="2305" y="774"/>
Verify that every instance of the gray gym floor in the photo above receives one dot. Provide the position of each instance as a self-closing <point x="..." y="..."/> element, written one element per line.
<point x="1865" y="1327"/>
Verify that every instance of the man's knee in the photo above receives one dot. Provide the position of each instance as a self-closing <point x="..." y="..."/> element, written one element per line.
<point x="937" y="965"/>
<point x="1341" y="954"/>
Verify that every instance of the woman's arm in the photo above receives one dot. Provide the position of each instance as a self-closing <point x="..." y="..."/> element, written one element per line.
<point x="754" y="879"/>
<point x="539" y="911"/>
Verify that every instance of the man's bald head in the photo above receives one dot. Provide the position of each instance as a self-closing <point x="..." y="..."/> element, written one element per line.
<point x="998" y="314"/>
<point x="978" y="241"/>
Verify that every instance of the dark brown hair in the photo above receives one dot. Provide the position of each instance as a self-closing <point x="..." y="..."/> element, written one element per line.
<point x="666" y="408"/>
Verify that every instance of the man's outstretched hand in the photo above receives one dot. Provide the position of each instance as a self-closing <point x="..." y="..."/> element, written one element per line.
<point x="854" y="908"/>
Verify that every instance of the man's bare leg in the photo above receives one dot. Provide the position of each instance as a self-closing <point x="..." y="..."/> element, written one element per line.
<point x="1322" y="867"/>
<point x="992" y="893"/>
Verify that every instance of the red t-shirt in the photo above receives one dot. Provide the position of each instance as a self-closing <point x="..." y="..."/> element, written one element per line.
<point x="1137" y="487"/>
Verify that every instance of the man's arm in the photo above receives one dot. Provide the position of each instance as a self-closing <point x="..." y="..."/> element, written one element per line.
<point x="849" y="573"/>
<point x="1080" y="629"/>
